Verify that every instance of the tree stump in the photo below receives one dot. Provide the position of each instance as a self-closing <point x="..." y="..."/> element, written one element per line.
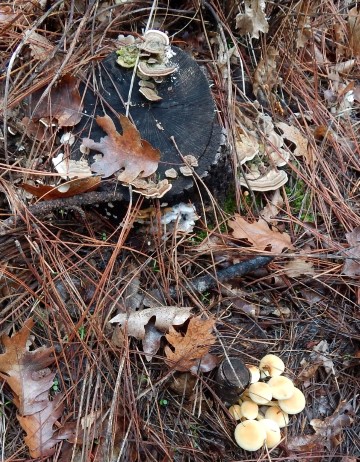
<point x="186" y="113"/>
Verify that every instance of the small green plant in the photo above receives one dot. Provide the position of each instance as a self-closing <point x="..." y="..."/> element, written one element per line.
<point x="205" y="298"/>
<point x="155" y="266"/>
<point x="163" y="402"/>
<point x="55" y="385"/>
<point x="82" y="332"/>
<point x="299" y="198"/>
<point x="2" y="407"/>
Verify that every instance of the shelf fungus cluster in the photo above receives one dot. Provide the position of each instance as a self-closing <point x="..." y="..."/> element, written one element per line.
<point x="262" y="156"/>
<point x="151" y="56"/>
<point x="264" y="407"/>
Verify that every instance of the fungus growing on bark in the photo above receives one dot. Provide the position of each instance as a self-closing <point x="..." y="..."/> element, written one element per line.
<point x="270" y="180"/>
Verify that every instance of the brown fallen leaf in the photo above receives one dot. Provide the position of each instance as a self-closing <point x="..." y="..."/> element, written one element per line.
<point x="165" y="317"/>
<point x="253" y="20"/>
<point x="354" y="30"/>
<point x="297" y="267"/>
<point x="260" y="235"/>
<point x="294" y="135"/>
<point x="139" y="324"/>
<point x="128" y="151"/>
<point x="63" y="103"/>
<point x="40" y="436"/>
<point x="27" y="374"/>
<point x="352" y="263"/>
<point x="68" y="189"/>
<point x="191" y="347"/>
<point x="332" y="426"/>
<point x="40" y="46"/>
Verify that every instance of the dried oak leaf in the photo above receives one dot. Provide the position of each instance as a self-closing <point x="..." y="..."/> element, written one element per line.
<point x="294" y="135"/>
<point x="332" y="426"/>
<point x="352" y="263"/>
<point x="260" y="235"/>
<point x="191" y="347"/>
<point x="165" y="317"/>
<point x="139" y="324"/>
<point x="27" y="374"/>
<point x="68" y="189"/>
<point x="127" y="151"/>
<point x="62" y="103"/>
<point x="40" y="435"/>
<point x="354" y="30"/>
<point x="253" y="20"/>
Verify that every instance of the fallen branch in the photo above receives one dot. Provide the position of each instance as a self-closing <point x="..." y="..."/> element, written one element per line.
<point x="45" y="207"/>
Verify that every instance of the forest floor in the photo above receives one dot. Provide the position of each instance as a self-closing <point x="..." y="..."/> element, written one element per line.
<point x="75" y="387"/>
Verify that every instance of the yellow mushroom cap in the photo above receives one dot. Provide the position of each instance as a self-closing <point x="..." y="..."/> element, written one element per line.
<point x="277" y="415"/>
<point x="254" y="373"/>
<point x="244" y="396"/>
<point x="295" y="404"/>
<point x="260" y="393"/>
<point x="250" y="435"/>
<point x="235" y="411"/>
<point x="249" y="410"/>
<point x="271" y="365"/>
<point x="281" y="387"/>
<point x="273" y="435"/>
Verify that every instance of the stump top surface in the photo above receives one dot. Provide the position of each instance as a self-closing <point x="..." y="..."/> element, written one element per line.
<point x="186" y="112"/>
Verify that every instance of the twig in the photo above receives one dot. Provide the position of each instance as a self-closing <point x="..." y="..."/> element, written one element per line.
<point x="76" y="202"/>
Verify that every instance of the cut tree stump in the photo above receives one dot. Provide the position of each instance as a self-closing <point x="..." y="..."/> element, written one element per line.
<point x="186" y="112"/>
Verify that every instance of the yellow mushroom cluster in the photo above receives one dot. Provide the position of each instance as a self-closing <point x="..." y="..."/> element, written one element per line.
<point x="265" y="406"/>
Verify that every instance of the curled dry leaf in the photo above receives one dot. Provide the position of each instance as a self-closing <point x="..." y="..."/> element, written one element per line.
<point x="298" y="267"/>
<point x="354" y="30"/>
<point x="253" y="21"/>
<point x="266" y="75"/>
<point x="331" y="427"/>
<point x="352" y="262"/>
<point x="191" y="347"/>
<point x="68" y="189"/>
<point x="166" y="316"/>
<point x="140" y="325"/>
<point x="63" y="103"/>
<point x="260" y="235"/>
<point x="27" y="374"/>
<point x="40" y="46"/>
<point x="294" y="135"/>
<point x="128" y="151"/>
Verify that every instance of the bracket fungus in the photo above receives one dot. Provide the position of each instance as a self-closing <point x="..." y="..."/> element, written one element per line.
<point x="270" y="180"/>
<point x="183" y="122"/>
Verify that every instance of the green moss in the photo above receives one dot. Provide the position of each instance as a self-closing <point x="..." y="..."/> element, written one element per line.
<point x="230" y="205"/>
<point x="299" y="197"/>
